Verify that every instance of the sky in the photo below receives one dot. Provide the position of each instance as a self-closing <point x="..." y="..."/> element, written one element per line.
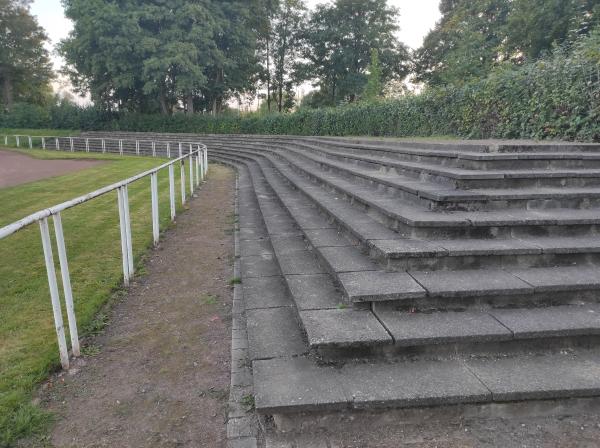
<point x="417" y="17"/>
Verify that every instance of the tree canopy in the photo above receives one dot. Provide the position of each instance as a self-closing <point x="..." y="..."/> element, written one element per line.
<point x="25" y="69"/>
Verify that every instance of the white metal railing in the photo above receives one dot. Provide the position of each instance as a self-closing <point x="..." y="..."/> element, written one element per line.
<point x="103" y="145"/>
<point x="197" y="160"/>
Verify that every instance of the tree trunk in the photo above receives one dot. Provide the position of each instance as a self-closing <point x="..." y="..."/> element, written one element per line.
<point x="164" y="107"/>
<point x="268" y="76"/>
<point x="7" y="93"/>
<point x="190" y="103"/>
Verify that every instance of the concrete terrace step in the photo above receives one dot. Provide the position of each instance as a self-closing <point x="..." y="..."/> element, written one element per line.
<point x="397" y="253"/>
<point x="332" y="330"/>
<point x="434" y="197"/>
<point x="412" y="220"/>
<point x="462" y="178"/>
<point x="362" y="281"/>
<point x="284" y="386"/>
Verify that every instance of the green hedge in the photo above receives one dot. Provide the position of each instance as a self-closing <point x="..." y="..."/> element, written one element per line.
<point x="556" y="97"/>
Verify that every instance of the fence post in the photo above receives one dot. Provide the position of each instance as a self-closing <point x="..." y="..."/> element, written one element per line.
<point x="120" y="147"/>
<point x="168" y="150"/>
<point x="153" y="148"/>
<point x="30" y="142"/>
<point x="122" y="225"/>
<point x="57" y="143"/>
<point x="6" y="140"/>
<point x="182" y="175"/>
<point x="172" y="191"/>
<point x="137" y="147"/>
<point x="58" y="320"/>
<point x="71" y="144"/>
<point x="43" y="143"/>
<point x="197" y="166"/>
<point x="87" y="145"/>
<point x="154" y="195"/>
<point x="191" y="157"/>
<point x="180" y="151"/>
<point x="103" y="146"/>
<point x="205" y="161"/>
<point x="66" y="281"/>
<point x="128" y="231"/>
<point x="18" y="141"/>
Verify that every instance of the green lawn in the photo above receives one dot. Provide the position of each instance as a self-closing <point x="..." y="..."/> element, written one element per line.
<point x="28" y="348"/>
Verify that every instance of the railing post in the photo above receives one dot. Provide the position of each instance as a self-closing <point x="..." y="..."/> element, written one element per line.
<point x="103" y="146"/>
<point x="120" y="147"/>
<point x="43" y="143"/>
<point x="129" y="238"/>
<point x="168" y="150"/>
<point x="153" y="148"/>
<point x="182" y="175"/>
<point x="201" y="162"/>
<point x="57" y="143"/>
<point x="122" y="225"/>
<point x="66" y="281"/>
<point x="87" y="145"/>
<point x="18" y="140"/>
<point x="180" y="150"/>
<point x="6" y="140"/>
<point x="155" y="220"/>
<point x="58" y="320"/>
<point x="71" y="144"/>
<point x="205" y="161"/>
<point x="191" y="158"/>
<point x="30" y="142"/>
<point x="137" y="147"/>
<point x="172" y="191"/>
<point x="197" y="166"/>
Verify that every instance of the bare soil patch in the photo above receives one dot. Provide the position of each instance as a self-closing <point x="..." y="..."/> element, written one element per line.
<point x="16" y="168"/>
<point x="159" y="374"/>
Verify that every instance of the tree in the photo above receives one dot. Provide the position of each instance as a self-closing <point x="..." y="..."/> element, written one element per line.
<point x="287" y="23"/>
<point x="152" y="55"/>
<point x="465" y="42"/>
<point x="374" y="87"/>
<point x="338" y="42"/>
<point x="25" y="69"/>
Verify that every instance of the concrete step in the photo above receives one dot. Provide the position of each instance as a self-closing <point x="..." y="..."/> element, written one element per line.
<point x="411" y="220"/>
<point x="295" y="385"/>
<point x="394" y="252"/>
<point x="456" y="178"/>
<point x="338" y="332"/>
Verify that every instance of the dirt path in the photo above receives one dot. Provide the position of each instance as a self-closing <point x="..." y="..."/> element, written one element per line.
<point x="161" y="377"/>
<point x="16" y="168"/>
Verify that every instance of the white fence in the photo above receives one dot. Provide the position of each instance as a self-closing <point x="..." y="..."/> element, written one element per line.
<point x="197" y="160"/>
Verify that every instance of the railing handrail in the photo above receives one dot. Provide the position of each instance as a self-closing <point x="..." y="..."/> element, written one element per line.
<point x="34" y="217"/>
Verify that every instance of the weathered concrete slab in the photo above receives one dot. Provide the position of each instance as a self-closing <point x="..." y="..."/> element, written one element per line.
<point x="398" y="248"/>
<point x="315" y="291"/>
<point x="253" y="233"/>
<point x="326" y="238"/>
<point x="379" y="285"/>
<point x="562" y="278"/>
<point x="465" y="283"/>
<point x="511" y="246"/>
<point x="297" y="384"/>
<point x="286" y="244"/>
<point x="339" y="328"/>
<point x="424" y="383"/>
<point x="551" y="322"/>
<point x="347" y="259"/>
<point x="566" y="245"/>
<point x="539" y="377"/>
<point x="259" y="266"/>
<point x="300" y="262"/>
<point x="410" y="329"/>
<point x="274" y="333"/>
<point x="266" y="292"/>
<point x="256" y="247"/>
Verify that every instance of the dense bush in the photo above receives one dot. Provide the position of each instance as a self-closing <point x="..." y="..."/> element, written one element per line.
<point x="555" y="97"/>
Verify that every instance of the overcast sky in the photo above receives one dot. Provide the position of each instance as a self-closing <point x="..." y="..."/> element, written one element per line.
<point x="416" y="19"/>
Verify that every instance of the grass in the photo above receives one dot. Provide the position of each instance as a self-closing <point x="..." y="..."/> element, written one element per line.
<point x="28" y="348"/>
